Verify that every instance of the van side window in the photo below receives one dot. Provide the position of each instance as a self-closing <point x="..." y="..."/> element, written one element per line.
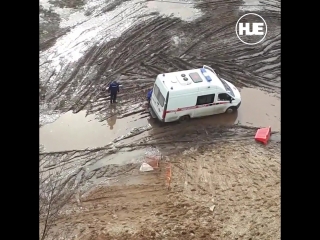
<point x="204" y="99"/>
<point x="160" y="99"/>
<point x="223" y="97"/>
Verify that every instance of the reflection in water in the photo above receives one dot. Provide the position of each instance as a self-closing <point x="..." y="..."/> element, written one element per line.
<point x="113" y="117"/>
<point x="78" y="131"/>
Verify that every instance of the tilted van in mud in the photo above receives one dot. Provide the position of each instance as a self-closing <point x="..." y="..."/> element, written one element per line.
<point x="179" y="96"/>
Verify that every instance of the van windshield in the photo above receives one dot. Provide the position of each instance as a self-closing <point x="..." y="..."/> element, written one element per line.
<point x="227" y="87"/>
<point x="158" y="95"/>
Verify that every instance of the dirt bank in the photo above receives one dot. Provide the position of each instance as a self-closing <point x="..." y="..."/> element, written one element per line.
<point x="217" y="193"/>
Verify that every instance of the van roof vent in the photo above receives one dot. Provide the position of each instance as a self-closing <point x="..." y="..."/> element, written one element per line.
<point x="173" y="80"/>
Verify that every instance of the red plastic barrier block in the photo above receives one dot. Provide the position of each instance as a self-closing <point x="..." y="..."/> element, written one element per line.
<point x="263" y="135"/>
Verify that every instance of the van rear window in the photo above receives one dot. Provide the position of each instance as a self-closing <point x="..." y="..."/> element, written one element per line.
<point x="158" y="95"/>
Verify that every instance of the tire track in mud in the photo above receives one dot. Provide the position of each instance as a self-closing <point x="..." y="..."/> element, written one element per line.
<point x="147" y="48"/>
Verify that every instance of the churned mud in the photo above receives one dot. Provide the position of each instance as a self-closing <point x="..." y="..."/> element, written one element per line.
<point x="224" y="185"/>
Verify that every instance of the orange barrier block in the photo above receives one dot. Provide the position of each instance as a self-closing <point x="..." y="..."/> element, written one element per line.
<point x="263" y="135"/>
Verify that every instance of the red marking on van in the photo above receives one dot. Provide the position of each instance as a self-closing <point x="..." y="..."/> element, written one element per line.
<point x="197" y="106"/>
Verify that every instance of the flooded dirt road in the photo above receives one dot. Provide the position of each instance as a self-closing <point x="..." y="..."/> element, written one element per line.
<point x="86" y="142"/>
<point x="79" y="131"/>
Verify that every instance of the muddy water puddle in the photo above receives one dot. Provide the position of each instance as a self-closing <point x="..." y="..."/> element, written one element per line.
<point x="78" y="131"/>
<point x="182" y="9"/>
<point x="120" y="158"/>
<point x="259" y="109"/>
<point x="123" y="167"/>
<point x="251" y="5"/>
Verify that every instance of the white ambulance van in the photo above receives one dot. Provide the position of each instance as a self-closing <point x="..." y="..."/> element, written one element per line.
<point x="179" y="96"/>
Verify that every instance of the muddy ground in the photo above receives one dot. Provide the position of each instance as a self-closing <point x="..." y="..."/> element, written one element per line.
<point x="90" y="152"/>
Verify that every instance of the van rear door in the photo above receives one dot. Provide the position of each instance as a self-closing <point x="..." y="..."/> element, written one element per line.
<point x="158" y="101"/>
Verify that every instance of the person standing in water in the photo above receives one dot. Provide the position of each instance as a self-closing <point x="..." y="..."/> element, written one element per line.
<point x="113" y="90"/>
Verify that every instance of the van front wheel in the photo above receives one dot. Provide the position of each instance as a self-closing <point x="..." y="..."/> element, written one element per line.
<point x="184" y="118"/>
<point x="231" y="110"/>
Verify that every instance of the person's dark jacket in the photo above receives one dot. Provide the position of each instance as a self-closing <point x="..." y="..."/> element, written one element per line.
<point x="114" y="87"/>
<point x="149" y="95"/>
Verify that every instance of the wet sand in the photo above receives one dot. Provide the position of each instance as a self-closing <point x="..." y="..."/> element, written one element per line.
<point x="214" y="195"/>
